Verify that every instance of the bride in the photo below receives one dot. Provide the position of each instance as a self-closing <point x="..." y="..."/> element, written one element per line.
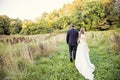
<point x="82" y="61"/>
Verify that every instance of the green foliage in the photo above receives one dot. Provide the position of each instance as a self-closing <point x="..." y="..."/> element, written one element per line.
<point x="90" y="14"/>
<point x="9" y="26"/>
<point x="15" y="26"/>
<point x="1" y="30"/>
<point x="4" y="24"/>
<point x="93" y="13"/>
<point x="77" y="19"/>
<point x="62" y="23"/>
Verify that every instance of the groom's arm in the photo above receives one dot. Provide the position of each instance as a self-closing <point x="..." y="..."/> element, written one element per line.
<point x="67" y="38"/>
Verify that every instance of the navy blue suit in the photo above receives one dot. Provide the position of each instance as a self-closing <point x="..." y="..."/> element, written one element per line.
<point x="71" y="39"/>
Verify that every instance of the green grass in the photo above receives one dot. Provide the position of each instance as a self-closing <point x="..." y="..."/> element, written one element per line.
<point x="58" y="67"/>
<point x="55" y="64"/>
<point x="54" y="67"/>
<point x="107" y="66"/>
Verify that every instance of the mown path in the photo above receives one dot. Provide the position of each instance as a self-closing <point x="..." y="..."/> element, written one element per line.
<point x="58" y="67"/>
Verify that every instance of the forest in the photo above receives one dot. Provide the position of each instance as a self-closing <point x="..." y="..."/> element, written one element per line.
<point x="95" y="15"/>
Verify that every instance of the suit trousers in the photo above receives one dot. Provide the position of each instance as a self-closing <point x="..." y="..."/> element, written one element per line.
<point x="72" y="51"/>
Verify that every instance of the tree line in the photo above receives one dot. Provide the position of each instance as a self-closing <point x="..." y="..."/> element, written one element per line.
<point x="92" y="15"/>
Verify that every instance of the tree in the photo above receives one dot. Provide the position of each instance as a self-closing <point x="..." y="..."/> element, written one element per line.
<point x="27" y="25"/>
<point x="93" y="13"/>
<point x="62" y="23"/>
<point x="4" y="24"/>
<point x="76" y="19"/>
<point x="15" y="26"/>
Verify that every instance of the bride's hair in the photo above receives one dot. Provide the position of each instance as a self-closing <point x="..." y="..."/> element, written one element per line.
<point x="82" y="31"/>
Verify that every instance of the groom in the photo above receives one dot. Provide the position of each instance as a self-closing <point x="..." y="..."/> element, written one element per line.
<point x="71" y="39"/>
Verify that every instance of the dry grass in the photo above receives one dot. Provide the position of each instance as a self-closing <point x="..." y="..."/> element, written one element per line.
<point x="18" y="52"/>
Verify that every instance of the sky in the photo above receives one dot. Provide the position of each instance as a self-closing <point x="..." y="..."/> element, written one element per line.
<point x="29" y="9"/>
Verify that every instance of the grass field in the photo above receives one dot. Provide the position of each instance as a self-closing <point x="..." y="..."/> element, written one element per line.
<point x="104" y="53"/>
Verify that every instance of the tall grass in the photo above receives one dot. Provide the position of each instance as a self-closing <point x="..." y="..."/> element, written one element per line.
<point x="58" y="67"/>
<point x="105" y="54"/>
<point x="17" y="53"/>
<point x="46" y="57"/>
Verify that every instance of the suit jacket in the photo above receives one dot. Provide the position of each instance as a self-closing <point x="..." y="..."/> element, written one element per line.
<point x="72" y="36"/>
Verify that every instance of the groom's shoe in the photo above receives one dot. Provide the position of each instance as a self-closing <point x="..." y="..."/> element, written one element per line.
<point x="71" y="60"/>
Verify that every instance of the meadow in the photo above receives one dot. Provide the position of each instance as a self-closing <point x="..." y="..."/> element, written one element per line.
<point x="46" y="57"/>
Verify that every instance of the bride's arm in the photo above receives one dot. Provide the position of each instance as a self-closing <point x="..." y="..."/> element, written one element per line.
<point x="78" y="41"/>
<point x="79" y="35"/>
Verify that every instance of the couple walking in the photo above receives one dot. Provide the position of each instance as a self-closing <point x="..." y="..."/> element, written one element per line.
<point x="79" y="51"/>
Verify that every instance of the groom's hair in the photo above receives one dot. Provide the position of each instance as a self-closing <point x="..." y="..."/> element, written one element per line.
<point x="72" y="26"/>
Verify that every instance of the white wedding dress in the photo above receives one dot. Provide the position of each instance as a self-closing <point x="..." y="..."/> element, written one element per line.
<point x="82" y="61"/>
